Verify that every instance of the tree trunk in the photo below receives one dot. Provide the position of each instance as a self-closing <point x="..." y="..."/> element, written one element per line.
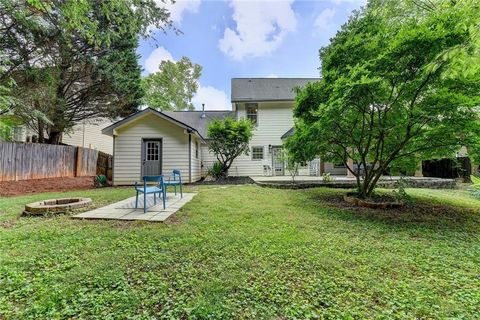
<point x="54" y="137"/>
<point x="41" y="131"/>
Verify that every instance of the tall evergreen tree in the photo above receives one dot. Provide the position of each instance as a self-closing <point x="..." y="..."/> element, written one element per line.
<point x="76" y="60"/>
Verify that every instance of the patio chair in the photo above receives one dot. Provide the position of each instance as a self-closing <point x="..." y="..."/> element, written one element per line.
<point x="149" y="189"/>
<point x="175" y="180"/>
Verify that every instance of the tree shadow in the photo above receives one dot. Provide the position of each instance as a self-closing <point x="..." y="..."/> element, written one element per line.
<point x="420" y="214"/>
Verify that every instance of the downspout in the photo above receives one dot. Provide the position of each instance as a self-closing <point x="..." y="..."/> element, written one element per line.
<point x="113" y="162"/>
<point x="189" y="157"/>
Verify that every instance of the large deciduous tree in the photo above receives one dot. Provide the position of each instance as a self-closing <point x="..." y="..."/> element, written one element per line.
<point x="399" y="82"/>
<point x="228" y="139"/>
<point x="75" y="60"/>
<point x="173" y="86"/>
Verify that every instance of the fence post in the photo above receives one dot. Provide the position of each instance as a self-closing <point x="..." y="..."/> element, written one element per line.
<point x="77" y="153"/>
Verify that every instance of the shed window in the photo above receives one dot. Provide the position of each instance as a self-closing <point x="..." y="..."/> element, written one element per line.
<point x="257" y="153"/>
<point x="152" y="151"/>
<point x="252" y="112"/>
<point x="196" y="149"/>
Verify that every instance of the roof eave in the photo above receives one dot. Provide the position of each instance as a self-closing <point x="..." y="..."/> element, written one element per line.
<point x="111" y="128"/>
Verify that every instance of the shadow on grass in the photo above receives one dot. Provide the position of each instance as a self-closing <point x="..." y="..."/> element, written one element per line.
<point x="419" y="214"/>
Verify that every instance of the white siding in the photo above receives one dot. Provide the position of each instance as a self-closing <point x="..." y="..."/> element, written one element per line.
<point x="274" y="119"/>
<point x="208" y="159"/>
<point x="90" y="136"/>
<point x="196" y="160"/>
<point x="128" y="148"/>
<point x="330" y="168"/>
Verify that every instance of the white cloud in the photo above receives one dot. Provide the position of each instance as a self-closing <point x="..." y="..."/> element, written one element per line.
<point x="260" y="28"/>
<point x="324" y="21"/>
<point x="213" y="98"/>
<point x="156" y="57"/>
<point x="362" y="2"/>
<point x="178" y="9"/>
<point x="272" y="75"/>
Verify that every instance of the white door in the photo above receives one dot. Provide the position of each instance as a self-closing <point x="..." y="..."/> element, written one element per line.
<point x="277" y="162"/>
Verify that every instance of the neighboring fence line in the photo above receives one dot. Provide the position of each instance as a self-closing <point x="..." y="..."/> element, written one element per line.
<point x="105" y="165"/>
<point x="23" y="161"/>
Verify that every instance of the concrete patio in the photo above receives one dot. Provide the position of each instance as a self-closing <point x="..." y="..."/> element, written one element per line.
<point x="125" y="209"/>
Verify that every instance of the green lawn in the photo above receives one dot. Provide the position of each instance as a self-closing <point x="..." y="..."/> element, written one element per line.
<point x="246" y="252"/>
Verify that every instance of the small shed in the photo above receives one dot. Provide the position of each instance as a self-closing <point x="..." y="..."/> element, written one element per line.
<point x="151" y="142"/>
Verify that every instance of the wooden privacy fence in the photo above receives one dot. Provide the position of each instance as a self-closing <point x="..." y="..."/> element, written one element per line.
<point x="23" y="161"/>
<point x="460" y="167"/>
<point x="105" y="165"/>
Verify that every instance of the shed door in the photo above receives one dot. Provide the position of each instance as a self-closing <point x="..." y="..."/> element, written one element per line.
<point x="152" y="157"/>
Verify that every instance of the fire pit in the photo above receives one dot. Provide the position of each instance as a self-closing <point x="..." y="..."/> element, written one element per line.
<point x="56" y="205"/>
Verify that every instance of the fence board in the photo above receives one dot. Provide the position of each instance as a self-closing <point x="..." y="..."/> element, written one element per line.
<point x="23" y="161"/>
<point x="105" y="165"/>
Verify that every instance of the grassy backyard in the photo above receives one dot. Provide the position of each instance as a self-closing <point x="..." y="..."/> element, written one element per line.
<point x="246" y="252"/>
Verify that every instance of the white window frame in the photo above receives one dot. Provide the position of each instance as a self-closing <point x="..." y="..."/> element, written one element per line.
<point x="248" y="115"/>
<point x="263" y="153"/>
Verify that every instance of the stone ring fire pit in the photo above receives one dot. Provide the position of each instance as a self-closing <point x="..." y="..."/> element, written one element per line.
<point x="56" y="205"/>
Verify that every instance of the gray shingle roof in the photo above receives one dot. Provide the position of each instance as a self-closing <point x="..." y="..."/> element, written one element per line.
<point x="191" y="120"/>
<point x="266" y="89"/>
<point x="194" y="118"/>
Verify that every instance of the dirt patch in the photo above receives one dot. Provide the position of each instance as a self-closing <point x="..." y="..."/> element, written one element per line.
<point x="15" y="188"/>
<point x="379" y="202"/>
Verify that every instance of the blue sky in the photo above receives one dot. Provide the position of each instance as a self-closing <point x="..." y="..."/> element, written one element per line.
<point x="246" y="38"/>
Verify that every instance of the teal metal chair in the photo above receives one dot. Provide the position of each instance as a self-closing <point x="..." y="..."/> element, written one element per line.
<point x="149" y="189"/>
<point x="175" y="180"/>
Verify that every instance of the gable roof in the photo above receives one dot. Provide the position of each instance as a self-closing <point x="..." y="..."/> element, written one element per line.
<point x="195" y="120"/>
<point x="189" y="120"/>
<point x="287" y="134"/>
<point x="266" y="89"/>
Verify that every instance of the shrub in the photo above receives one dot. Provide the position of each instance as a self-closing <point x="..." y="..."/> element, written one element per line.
<point x="475" y="187"/>
<point x="327" y="177"/>
<point x="216" y="171"/>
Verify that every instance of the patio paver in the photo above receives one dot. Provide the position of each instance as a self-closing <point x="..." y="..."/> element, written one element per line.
<point x="125" y="209"/>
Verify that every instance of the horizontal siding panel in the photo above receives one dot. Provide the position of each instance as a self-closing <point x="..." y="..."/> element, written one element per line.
<point x="89" y="135"/>
<point x="128" y="148"/>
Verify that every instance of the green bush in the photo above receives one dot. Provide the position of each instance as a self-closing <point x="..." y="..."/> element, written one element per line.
<point x="216" y="171"/>
<point x="327" y="177"/>
<point x="475" y="187"/>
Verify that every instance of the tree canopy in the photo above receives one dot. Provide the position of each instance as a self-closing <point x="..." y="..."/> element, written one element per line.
<point x="75" y="60"/>
<point x="173" y="86"/>
<point x="228" y="139"/>
<point x="397" y="85"/>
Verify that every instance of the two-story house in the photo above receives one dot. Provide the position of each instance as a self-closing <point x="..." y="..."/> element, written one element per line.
<point x="87" y="134"/>
<point x="152" y="142"/>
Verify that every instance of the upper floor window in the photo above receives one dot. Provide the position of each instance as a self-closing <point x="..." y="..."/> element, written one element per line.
<point x="252" y="112"/>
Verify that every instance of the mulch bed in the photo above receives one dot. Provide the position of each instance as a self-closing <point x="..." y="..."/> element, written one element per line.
<point x="15" y="188"/>
<point x="378" y="202"/>
<point x="226" y="181"/>
<point x="416" y="212"/>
